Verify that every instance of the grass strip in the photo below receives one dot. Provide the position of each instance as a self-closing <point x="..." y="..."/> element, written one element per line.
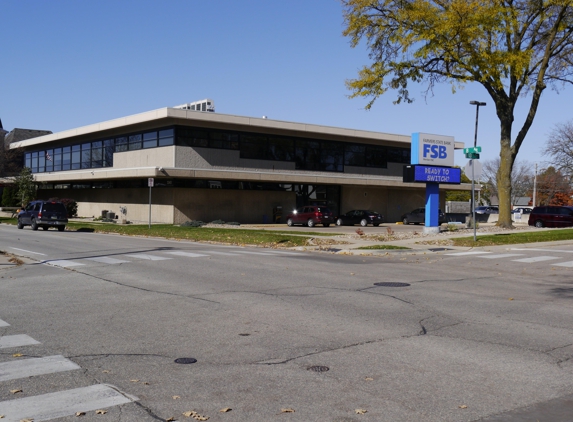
<point x="241" y="237"/>
<point x="551" y="235"/>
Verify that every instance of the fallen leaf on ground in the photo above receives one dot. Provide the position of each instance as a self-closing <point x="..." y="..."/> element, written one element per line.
<point x="17" y="355"/>
<point x="80" y="413"/>
<point x="1" y="416"/>
<point x="510" y="298"/>
<point x="16" y="391"/>
<point x="189" y="413"/>
<point x="134" y="380"/>
<point x="171" y="419"/>
<point x="361" y="411"/>
<point x="463" y="406"/>
<point x="105" y="371"/>
<point x="26" y="420"/>
<point x="225" y="409"/>
<point x="176" y="397"/>
<point x="101" y="412"/>
<point x="287" y="410"/>
<point x="369" y="379"/>
<point x="146" y="383"/>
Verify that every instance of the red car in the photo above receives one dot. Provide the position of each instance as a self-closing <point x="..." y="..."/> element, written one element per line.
<point x="552" y="216"/>
<point x="311" y="216"/>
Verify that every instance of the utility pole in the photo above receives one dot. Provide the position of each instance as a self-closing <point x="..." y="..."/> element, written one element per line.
<point x="477" y="104"/>
<point x="535" y="186"/>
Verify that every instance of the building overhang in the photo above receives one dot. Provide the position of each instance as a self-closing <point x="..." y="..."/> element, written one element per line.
<point x="172" y="116"/>
<point x="110" y="174"/>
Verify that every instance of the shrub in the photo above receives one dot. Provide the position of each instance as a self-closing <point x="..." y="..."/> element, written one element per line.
<point x="217" y="222"/>
<point x="193" y="223"/>
<point x="10" y="197"/>
<point x="70" y="204"/>
<point x="452" y="227"/>
<point x="233" y="223"/>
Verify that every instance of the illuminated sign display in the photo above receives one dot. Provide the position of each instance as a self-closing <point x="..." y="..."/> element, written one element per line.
<point x="434" y="150"/>
<point x="425" y="174"/>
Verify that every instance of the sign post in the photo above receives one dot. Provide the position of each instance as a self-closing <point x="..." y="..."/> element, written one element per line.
<point x="473" y="154"/>
<point x="150" y="184"/>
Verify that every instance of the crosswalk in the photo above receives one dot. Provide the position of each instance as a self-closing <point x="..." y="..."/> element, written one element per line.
<point x="523" y="255"/>
<point x="160" y="255"/>
<point x="52" y="405"/>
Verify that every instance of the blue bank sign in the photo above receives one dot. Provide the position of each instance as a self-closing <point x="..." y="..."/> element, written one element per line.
<point x="432" y="150"/>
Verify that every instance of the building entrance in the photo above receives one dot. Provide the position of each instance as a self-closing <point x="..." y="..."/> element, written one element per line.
<point x="324" y="195"/>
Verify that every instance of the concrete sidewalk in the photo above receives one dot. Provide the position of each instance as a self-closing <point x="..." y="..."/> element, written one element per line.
<point x="422" y="243"/>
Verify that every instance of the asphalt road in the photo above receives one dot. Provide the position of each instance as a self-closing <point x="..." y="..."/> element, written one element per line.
<point x="448" y="337"/>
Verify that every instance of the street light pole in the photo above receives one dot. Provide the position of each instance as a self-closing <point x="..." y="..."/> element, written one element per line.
<point x="477" y="104"/>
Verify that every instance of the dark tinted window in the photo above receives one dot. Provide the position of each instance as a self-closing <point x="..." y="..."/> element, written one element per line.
<point x="53" y="207"/>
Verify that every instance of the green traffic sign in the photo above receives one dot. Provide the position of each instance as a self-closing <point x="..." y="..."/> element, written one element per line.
<point x="472" y="156"/>
<point x="472" y="150"/>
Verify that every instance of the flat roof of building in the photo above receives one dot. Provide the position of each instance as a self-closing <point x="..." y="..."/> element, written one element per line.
<point x="172" y="116"/>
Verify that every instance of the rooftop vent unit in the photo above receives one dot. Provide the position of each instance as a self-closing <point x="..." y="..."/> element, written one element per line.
<point x="203" y="105"/>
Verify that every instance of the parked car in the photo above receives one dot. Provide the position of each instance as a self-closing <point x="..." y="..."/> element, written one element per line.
<point x="44" y="214"/>
<point x="311" y="215"/>
<point x="551" y="217"/>
<point x="487" y="209"/>
<point x="418" y="216"/>
<point x="362" y="217"/>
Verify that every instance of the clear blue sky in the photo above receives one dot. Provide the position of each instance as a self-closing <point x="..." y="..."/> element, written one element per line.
<point x="69" y="63"/>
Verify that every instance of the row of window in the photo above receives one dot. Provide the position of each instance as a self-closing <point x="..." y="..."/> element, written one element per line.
<point x="171" y="183"/>
<point x="307" y="154"/>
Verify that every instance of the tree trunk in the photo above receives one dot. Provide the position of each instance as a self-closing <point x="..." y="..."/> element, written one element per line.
<point x="504" y="176"/>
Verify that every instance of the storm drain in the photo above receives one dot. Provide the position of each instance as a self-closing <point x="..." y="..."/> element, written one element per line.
<point x="318" y="368"/>
<point x="392" y="284"/>
<point x="185" y="361"/>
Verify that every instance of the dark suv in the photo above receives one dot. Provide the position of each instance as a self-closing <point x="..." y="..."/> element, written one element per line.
<point x="311" y="216"/>
<point x="44" y="214"/>
<point x="551" y="217"/>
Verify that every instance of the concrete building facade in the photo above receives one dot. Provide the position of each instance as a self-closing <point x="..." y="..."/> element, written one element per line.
<point x="210" y="166"/>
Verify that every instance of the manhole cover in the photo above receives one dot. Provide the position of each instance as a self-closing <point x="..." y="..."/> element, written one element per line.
<point x="185" y="361"/>
<point x="318" y="368"/>
<point x="392" y="284"/>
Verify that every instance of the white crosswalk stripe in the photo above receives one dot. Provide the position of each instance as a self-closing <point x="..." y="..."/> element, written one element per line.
<point x="67" y="263"/>
<point x="467" y="253"/>
<point x="35" y="366"/>
<point x="503" y="255"/>
<point x="187" y="254"/>
<point x="564" y="264"/>
<point x="63" y="403"/>
<point x="543" y="250"/>
<point x="52" y="405"/>
<point x="63" y="263"/>
<point x="535" y="259"/>
<point x="107" y="260"/>
<point x="16" y="340"/>
<point x="221" y="253"/>
<point x="147" y="257"/>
